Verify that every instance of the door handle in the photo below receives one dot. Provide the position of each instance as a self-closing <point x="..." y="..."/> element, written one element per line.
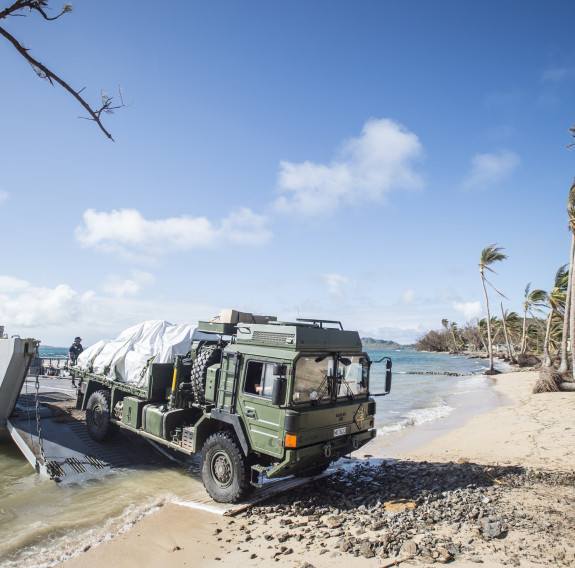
<point x="250" y="414"/>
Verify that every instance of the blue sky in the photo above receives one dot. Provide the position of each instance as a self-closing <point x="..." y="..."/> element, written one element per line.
<point x="336" y="159"/>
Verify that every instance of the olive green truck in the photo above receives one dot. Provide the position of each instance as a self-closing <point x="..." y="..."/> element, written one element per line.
<point x="258" y="400"/>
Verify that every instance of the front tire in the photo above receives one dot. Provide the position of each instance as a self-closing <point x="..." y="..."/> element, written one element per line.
<point x="225" y="470"/>
<point x="98" y="416"/>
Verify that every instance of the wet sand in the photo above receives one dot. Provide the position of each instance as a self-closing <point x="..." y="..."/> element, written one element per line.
<point x="522" y="429"/>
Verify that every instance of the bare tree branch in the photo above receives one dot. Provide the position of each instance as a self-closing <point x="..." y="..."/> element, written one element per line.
<point x="43" y="72"/>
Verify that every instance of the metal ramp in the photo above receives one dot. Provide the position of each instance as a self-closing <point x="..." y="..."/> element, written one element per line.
<point x="64" y="451"/>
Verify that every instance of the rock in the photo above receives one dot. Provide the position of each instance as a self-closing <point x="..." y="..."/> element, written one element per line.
<point x="333" y="522"/>
<point x="399" y="505"/>
<point x="409" y="548"/>
<point x="282" y="537"/>
<point x="491" y="530"/>
<point x="443" y="556"/>
<point x="365" y="549"/>
<point x="528" y="360"/>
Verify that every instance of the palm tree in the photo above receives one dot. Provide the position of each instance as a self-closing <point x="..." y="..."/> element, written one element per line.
<point x="489" y="255"/>
<point x="510" y="323"/>
<point x="451" y="328"/>
<point x="556" y="301"/>
<point x="534" y="300"/>
<point x="482" y="326"/>
<point x="569" y="319"/>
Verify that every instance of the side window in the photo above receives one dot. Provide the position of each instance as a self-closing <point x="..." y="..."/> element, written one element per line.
<point x="259" y="378"/>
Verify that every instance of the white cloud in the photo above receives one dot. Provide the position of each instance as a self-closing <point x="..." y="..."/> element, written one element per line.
<point x="489" y="169"/>
<point x="469" y="310"/>
<point x="4" y="196"/>
<point x="56" y="315"/>
<point x="22" y="304"/>
<point x="128" y="233"/>
<point x="408" y="297"/>
<point x="336" y="284"/>
<point x="368" y="167"/>
<point x="9" y="284"/>
<point x="120" y="287"/>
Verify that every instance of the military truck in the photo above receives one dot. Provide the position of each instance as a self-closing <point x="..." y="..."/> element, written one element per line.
<point x="258" y="400"/>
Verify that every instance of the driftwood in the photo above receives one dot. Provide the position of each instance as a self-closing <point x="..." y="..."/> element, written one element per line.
<point x="551" y="380"/>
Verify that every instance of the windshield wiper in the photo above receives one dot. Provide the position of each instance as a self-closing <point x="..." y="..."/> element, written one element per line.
<point x="324" y="388"/>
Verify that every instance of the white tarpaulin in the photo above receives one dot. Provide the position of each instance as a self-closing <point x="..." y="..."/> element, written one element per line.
<point x="128" y="357"/>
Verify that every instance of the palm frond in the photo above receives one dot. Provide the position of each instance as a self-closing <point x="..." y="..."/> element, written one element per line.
<point x="491" y="254"/>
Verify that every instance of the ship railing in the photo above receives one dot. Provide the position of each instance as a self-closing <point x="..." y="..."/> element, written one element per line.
<point x="49" y="367"/>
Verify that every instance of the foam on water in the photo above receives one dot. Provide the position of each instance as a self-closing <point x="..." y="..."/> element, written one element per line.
<point x="417" y="417"/>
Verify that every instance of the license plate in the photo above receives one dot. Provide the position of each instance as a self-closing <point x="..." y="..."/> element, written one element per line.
<point x="339" y="432"/>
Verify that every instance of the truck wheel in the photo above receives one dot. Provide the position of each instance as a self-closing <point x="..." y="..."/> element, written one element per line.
<point x="225" y="471"/>
<point x="206" y="358"/>
<point x="98" y="416"/>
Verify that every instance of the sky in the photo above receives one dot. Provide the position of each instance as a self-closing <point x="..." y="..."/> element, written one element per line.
<point x="345" y="160"/>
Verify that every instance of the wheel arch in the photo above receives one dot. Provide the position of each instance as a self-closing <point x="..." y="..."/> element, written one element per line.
<point x="234" y="421"/>
<point x="217" y="421"/>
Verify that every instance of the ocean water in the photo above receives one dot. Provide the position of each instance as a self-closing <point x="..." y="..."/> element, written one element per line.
<point x="43" y="523"/>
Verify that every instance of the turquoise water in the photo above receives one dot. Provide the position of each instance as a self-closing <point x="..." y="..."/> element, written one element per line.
<point x="42" y="523"/>
<point x="420" y="398"/>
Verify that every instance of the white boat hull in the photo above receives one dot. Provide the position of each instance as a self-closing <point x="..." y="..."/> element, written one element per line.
<point x="15" y="357"/>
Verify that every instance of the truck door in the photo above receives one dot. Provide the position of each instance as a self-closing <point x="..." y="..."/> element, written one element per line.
<point x="263" y="420"/>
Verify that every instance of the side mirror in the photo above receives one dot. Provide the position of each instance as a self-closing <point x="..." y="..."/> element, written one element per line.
<point x="278" y="391"/>
<point x="279" y="369"/>
<point x="388" y="376"/>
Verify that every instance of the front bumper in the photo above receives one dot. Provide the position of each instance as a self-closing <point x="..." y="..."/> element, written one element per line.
<point x="317" y="455"/>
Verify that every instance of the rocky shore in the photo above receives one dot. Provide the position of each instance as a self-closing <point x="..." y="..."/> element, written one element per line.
<point x="498" y="490"/>
<point x="395" y="511"/>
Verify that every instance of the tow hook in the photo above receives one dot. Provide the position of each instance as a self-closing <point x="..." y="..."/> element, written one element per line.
<point x="354" y="442"/>
<point x="327" y="450"/>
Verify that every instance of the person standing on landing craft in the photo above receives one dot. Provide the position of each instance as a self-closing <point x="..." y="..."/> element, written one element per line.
<point x="73" y="353"/>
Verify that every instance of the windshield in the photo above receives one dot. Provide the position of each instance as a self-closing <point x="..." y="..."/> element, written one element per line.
<point x="315" y="380"/>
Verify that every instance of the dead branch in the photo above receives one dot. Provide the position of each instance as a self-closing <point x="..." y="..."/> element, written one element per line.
<point x="44" y="73"/>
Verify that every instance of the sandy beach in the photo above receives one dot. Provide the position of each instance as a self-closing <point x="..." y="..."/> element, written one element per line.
<point x="523" y="449"/>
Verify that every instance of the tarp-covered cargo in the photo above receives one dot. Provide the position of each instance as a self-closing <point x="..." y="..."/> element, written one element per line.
<point x="128" y="358"/>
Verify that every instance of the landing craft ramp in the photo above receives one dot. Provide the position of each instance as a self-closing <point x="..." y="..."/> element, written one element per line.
<point x="54" y="439"/>
<point x="65" y="452"/>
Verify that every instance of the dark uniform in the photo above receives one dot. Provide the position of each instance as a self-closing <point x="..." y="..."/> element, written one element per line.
<point x="74" y="351"/>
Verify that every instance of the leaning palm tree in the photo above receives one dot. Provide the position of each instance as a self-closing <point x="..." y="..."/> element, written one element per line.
<point x="510" y="322"/>
<point x="489" y="255"/>
<point x="569" y="319"/>
<point x="556" y="301"/>
<point x="450" y="328"/>
<point x="534" y="300"/>
<point x="482" y="327"/>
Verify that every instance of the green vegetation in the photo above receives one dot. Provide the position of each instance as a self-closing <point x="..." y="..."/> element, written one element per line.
<point x="370" y="343"/>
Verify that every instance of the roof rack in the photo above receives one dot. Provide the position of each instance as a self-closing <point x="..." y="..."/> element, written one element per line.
<point x="320" y="322"/>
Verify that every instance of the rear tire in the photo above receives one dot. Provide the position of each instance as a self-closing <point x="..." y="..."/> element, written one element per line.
<point x="225" y="469"/>
<point x="98" y="416"/>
